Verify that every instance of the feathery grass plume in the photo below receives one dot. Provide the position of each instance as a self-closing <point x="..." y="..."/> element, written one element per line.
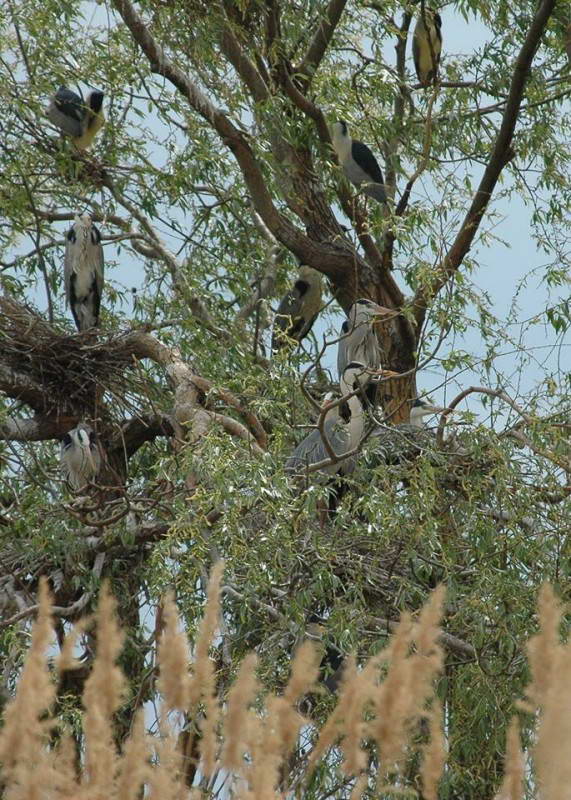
<point x="23" y="738"/>
<point x="398" y="700"/>
<point x="550" y="691"/>
<point x="543" y="650"/>
<point x="66" y="660"/>
<point x="165" y="779"/>
<point x="202" y="684"/>
<point x="237" y="720"/>
<point x="173" y="658"/>
<point x="281" y="727"/>
<point x="65" y="767"/>
<point x="262" y="774"/>
<point x="428" y="659"/>
<point x="434" y="754"/>
<point x="102" y="697"/>
<point x="359" y="788"/>
<point x="133" y="768"/>
<point x="304" y="672"/>
<point x="393" y="701"/>
<point x="409" y="683"/>
<point x="349" y="703"/>
<point x="514" y="766"/>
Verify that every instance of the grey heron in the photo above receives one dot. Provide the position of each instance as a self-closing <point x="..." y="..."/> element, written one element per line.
<point x="80" y="459"/>
<point x="359" y="164"/>
<point x="402" y="443"/>
<point x="83" y="272"/>
<point x="75" y="117"/>
<point x="298" y="308"/>
<point x="342" y="436"/>
<point x="427" y="46"/>
<point x="358" y="340"/>
<point x="421" y="409"/>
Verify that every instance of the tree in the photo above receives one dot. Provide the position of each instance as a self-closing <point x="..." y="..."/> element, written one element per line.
<point x="213" y="174"/>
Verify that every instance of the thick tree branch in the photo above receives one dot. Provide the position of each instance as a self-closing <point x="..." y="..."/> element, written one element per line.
<point x="136" y="432"/>
<point x="320" y="42"/>
<point x="187" y="407"/>
<point x="35" y="429"/>
<point x="231" y="400"/>
<point x="399" y="103"/>
<point x="230" y="135"/>
<point x="27" y="332"/>
<point x="332" y="258"/>
<point x="447" y="640"/>
<point x="245" y="68"/>
<point x="20" y="387"/>
<point x="501" y="155"/>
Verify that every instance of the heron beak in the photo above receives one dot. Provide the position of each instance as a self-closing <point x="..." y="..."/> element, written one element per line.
<point x="383" y="311"/>
<point x="437" y="410"/>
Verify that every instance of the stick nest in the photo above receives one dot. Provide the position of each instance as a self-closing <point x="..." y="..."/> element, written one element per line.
<point x="60" y="373"/>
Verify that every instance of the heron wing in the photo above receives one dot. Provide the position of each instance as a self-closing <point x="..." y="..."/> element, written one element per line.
<point x="342" y="359"/>
<point x="311" y="450"/>
<point x="363" y="156"/>
<point x="98" y="267"/>
<point x="355" y="343"/>
<point x="416" y="54"/>
<point x="68" y="261"/>
<point x="372" y="350"/>
<point x="66" y="111"/>
<point x="288" y="323"/>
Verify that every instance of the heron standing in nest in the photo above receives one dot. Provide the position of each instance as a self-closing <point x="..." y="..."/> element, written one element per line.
<point x="342" y="435"/>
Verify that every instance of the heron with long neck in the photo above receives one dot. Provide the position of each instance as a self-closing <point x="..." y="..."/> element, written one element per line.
<point x="342" y="436"/>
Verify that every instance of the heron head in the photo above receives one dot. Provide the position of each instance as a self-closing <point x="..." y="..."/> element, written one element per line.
<point x="420" y="409"/>
<point x="339" y="129"/>
<point x="87" y="443"/>
<point x="365" y="310"/>
<point x="95" y="100"/>
<point x="81" y="222"/>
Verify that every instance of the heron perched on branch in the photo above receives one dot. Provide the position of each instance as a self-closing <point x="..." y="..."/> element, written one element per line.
<point x="342" y="436"/>
<point x="359" y="341"/>
<point x="80" y="458"/>
<point x="75" y="117"/>
<point x="359" y="164"/>
<point x="83" y="272"/>
<point x="427" y="46"/>
<point x="298" y="308"/>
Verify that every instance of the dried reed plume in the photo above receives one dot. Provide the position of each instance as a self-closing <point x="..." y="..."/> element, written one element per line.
<point x="247" y="739"/>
